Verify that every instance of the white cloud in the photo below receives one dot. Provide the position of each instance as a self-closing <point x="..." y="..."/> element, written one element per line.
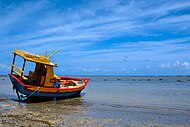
<point x="14" y="14"/>
<point x="168" y="65"/>
<point x="148" y="67"/>
<point x="4" y="67"/>
<point x="120" y="18"/>
<point x="123" y="69"/>
<point x="186" y="64"/>
<point x="83" y="30"/>
<point x="176" y="64"/>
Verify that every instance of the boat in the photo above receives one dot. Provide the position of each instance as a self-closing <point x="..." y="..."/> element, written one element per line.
<point x="42" y="82"/>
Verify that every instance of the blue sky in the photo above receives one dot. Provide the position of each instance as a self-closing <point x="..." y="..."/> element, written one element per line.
<point x="100" y="37"/>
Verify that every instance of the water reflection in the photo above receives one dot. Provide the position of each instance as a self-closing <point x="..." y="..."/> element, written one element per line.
<point x="69" y="105"/>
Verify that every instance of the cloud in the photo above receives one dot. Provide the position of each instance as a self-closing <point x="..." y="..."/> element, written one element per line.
<point x="140" y="30"/>
<point x="16" y="15"/>
<point x="123" y="69"/>
<point x="114" y="21"/>
<point x="176" y="64"/>
<point x="148" y="67"/>
<point x="4" y="67"/>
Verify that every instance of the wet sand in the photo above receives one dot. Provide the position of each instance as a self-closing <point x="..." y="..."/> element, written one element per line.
<point x="106" y="101"/>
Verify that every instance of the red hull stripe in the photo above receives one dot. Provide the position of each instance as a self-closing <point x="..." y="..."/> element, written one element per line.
<point x="55" y="90"/>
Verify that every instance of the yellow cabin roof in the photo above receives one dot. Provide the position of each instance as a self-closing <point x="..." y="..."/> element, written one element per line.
<point x="33" y="57"/>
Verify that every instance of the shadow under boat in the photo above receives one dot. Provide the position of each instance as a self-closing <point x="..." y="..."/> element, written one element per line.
<point x="32" y="99"/>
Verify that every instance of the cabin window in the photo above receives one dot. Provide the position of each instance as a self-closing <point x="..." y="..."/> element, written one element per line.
<point x="29" y="67"/>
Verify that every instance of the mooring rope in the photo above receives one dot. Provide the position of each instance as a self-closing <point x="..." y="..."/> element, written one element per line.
<point x="38" y="88"/>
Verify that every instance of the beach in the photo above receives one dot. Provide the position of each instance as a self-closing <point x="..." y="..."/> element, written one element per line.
<point x="106" y="101"/>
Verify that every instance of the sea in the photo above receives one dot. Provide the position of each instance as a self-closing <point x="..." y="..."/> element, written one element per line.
<point x="107" y="101"/>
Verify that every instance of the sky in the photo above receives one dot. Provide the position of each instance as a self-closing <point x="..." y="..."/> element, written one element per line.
<point x="99" y="37"/>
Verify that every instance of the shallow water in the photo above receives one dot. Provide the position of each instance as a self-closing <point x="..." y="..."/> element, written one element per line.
<point x="106" y="101"/>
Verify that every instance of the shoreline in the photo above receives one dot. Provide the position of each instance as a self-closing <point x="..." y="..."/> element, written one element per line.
<point x="110" y="102"/>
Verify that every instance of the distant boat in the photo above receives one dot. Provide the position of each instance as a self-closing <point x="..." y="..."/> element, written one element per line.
<point x="42" y="82"/>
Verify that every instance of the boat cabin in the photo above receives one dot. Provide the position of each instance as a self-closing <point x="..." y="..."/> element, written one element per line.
<point x="42" y="75"/>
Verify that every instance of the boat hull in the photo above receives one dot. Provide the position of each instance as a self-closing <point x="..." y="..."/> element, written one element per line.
<point x="45" y="92"/>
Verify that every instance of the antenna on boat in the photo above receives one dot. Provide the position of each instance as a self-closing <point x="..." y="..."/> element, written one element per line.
<point x="46" y="55"/>
<point x="53" y="53"/>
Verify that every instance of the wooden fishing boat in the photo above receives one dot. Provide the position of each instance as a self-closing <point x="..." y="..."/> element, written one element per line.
<point x="42" y="82"/>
